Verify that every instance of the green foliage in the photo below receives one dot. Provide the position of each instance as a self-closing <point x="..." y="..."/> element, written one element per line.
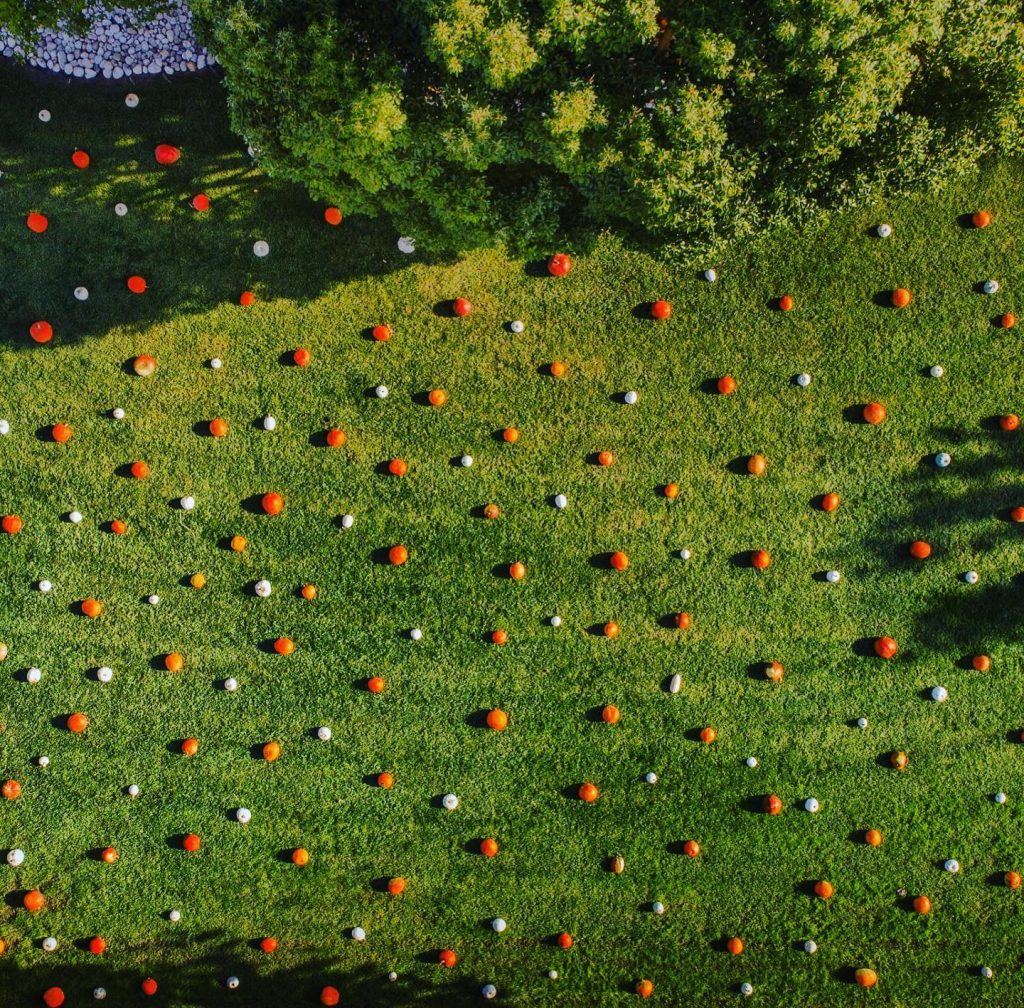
<point x="475" y="121"/>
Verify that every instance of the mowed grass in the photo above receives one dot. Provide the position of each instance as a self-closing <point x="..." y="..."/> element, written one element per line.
<point x="322" y="288"/>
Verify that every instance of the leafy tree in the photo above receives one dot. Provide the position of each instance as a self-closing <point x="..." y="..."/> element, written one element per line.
<point x="26" y="17"/>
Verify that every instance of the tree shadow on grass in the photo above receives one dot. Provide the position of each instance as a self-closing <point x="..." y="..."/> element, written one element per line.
<point x="191" y="261"/>
<point x="186" y="974"/>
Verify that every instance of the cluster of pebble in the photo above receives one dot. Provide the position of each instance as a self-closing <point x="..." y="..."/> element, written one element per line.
<point x="119" y="44"/>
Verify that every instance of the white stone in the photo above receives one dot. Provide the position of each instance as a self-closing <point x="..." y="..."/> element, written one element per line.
<point x="710" y="275"/>
<point x="499" y="924"/>
<point x="986" y="972"/>
<point x="133" y="790"/>
<point x="42" y="761"/>
<point x="104" y="674"/>
<point x="323" y="733"/>
<point x="936" y="370"/>
<point x="942" y="459"/>
<point x="392" y="976"/>
<point x="489" y="992"/>
<point x="230" y="684"/>
<point x="120" y="209"/>
<point x="972" y="577"/>
<point x="407" y="245"/>
<point x="232" y="982"/>
<point x="15" y="857"/>
<point x="117" y="413"/>
<point x="751" y="762"/>
<point x="187" y="503"/>
<point x="952" y="866"/>
<point x="174" y="916"/>
<point x="517" y="326"/>
<point x="81" y="293"/>
<point x="49" y="944"/>
<point x="1000" y="798"/>
<point x="561" y="501"/>
<point x="466" y="461"/>
<point x="555" y="621"/>
<point x="651" y="777"/>
<point x="44" y="115"/>
<point x="381" y="391"/>
<point x="44" y="586"/>
<point x="153" y="599"/>
<point x="260" y="248"/>
<point x="347" y="521"/>
<point x="450" y="802"/>
<point x="631" y="398"/>
<point x="803" y="379"/>
<point x="990" y="286"/>
<point x="684" y="554"/>
<point x="5" y="427"/>
<point x="883" y="230"/>
<point x="675" y="684"/>
<point x="833" y="576"/>
<point x="216" y="363"/>
<point x="269" y="423"/>
<point x="862" y="722"/>
<point x="358" y="934"/>
<point x="812" y="805"/>
<point x="263" y="588"/>
<point x="99" y="993"/>
<point x="33" y="675"/>
<point x="810" y="946"/>
<point x="746" y="989"/>
<point x="416" y="634"/>
<point x="939" y="694"/>
<point x="243" y="815"/>
<point x="658" y="907"/>
<point x="552" y="974"/>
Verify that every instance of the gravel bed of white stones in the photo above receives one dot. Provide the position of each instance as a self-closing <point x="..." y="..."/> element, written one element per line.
<point x="119" y="44"/>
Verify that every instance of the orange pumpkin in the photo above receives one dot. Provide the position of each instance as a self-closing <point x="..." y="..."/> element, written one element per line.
<point x="198" y="580"/>
<point x="981" y="218"/>
<point x="691" y="848"/>
<point x="61" y="433"/>
<point x="437" y="397"/>
<point x="462" y="307"/>
<point x="499" y="636"/>
<point x="386" y="780"/>
<point x="174" y="662"/>
<point x="517" y="571"/>
<point x="726" y="385"/>
<point x="12" y="524"/>
<point x="866" y="977"/>
<point x="239" y="543"/>
<point x="786" y="302"/>
<point x="218" y="427"/>
<point x="661" y="310"/>
<point x="300" y="857"/>
<point x="337" y="438"/>
<point x="396" y="886"/>
<point x="11" y="790"/>
<point x="873" y="838"/>
<point x="708" y="735"/>
<point x="269" y="945"/>
<point x="619" y="560"/>
<point x="644" y="988"/>
<point x="830" y="502"/>
<point x="1009" y="422"/>
<point x="492" y="511"/>
<point x="301" y="357"/>
<point x="376" y="684"/>
<point x="735" y="945"/>
<point x="824" y="890"/>
<point x="510" y="435"/>
<point x="92" y="607"/>
<point x="271" y="751"/>
<point x="901" y="297"/>
<point x="37" y="222"/>
<point x="118" y="527"/>
<point x="922" y="905"/>
<point x="33" y="901"/>
<point x="497" y="720"/>
<point x="671" y="490"/>
<point x="137" y="284"/>
<point x="886" y="647"/>
<point x="589" y="793"/>
<point x="200" y="202"/>
<point x="77" y="723"/>
<point x="308" y="592"/>
<point x="192" y="843"/>
<point x="772" y="804"/>
<point x="610" y="714"/>
<point x="166" y="154"/>
<point x="190" y="746"/>
<point x="447" y="958"/>
<point x="774" y="671"/>
<point x="1012" y="880"/>
<point x="330" y="996"/>
<point x="559" y="264"/>
<point x="80" y="158"/>
<point x="109" y="855"/>
<point x="272" y="503"/>
<point x="284" y="646"/>
<point x="920" y="550"/>
<point x="565" y="940"/>
<point x="981" y="663"/>
<point x="757" y="465"/>
<point x="247" y="298"/>
<point x="605" y="458"/>
<point x="1017" y="514"/>
<point x="611" y="630"/>
<point x="683" y="620"/>
<point x="381" y="333"/>
<point x="332" y="215"/>
<point x="489" y="847"/>
<point x="98" y="945"/>
<point x="761" y="559"/>
<point x="398" y="555"/>
<point x="1008" y="321"/>
<point x="899" y="760"/>
<point x="144" y="365"/>
<point x="140" y="469"/>
<point x="875" y="413"/>
<point x="149" y="985"/>
<point x="557" y="369"/>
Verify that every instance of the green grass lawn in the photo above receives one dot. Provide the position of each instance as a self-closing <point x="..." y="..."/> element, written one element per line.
<point x="321" y="288"/>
